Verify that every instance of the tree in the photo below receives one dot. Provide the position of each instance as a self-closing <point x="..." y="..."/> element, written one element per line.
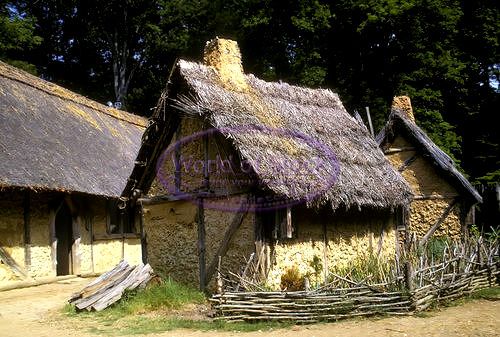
<point x="16" y="36"/>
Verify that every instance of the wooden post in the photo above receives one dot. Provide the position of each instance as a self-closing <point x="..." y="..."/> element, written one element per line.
<point x="230" y="231"/>
<point x="91" y="233"/>
<point x="201" y="244"/>
<point x="325" y="252"/>
<point x="219" y="277"/>
<point x="370" y="121"/>
<point x="408" y="270"/>
<point x="27" y="230"/>
<point x="177" y="156"/>
<point x="144" y="243"/>
<point x="438" y="223"/>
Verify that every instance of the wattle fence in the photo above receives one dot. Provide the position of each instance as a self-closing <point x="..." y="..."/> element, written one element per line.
<point x="462" y="270"/>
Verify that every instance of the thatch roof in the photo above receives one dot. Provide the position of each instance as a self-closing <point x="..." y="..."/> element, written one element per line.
<point x="362" y="175"/>
<point x="54" y="139"/>
<point x="399" y="122"/>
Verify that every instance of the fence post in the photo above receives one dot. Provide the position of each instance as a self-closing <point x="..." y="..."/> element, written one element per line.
<point x="408" y="270"/>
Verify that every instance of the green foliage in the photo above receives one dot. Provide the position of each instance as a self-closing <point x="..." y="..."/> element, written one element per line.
<point x="17" y="36"/>
<point x="317" y="265"/>
<point x="443" y="53"/>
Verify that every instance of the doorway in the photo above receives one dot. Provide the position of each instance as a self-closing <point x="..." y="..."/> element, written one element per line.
<point x="64" y="235"/>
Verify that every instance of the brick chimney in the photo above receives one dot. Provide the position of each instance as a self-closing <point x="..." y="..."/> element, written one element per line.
<point x="224" y="55"/>
<point x="403" y="104"/>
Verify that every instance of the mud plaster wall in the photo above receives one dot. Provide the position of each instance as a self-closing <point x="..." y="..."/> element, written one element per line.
<point x="191" y="159"/>
<point x="172" y="237"/>
<point x="41" y="252"/>
<point x="242" y="243"/>
<point x="12" y="233"/>
<point x="224" y="165"/>
<point x="350" y="236"/>
<point x="106" y="253"/>
<point x="425" y="179"/>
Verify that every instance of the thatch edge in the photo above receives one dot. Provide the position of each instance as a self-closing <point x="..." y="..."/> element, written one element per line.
<point x="441" y="160"/>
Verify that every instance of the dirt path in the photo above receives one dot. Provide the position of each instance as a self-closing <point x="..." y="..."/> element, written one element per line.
<point x="35" y="312"/>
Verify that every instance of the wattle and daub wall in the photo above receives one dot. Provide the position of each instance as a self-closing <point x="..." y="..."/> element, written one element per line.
<point x="425" y="181"/>
<point x="36" y="257"/>
<point x="172" y="230"/>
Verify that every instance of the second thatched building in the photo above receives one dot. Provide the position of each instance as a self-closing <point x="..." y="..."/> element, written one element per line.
<point x="232" y="166"/>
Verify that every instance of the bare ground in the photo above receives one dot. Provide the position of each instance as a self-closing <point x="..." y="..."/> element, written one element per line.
<point x="36" y="311"/>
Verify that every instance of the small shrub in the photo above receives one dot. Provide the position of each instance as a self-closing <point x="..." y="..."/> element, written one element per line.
<point x="292" y="280"/>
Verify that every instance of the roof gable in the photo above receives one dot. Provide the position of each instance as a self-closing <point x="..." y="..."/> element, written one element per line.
<point x="398" y="121"/>
<point x="363" y="176"/>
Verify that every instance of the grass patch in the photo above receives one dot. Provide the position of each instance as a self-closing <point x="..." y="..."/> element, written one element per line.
<point x="142" y="325"/>
<point x="491" y="294"/>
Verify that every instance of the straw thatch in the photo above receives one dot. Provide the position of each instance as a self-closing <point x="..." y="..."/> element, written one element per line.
<point x="311" y="124"/>
<point x="54" y="139"/>
<point x="399" y="122"/>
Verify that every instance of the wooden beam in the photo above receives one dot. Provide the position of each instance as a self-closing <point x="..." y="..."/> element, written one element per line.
<point x="407" y="163"/>
<point x="325" y="253"/>
<point x="201" y="244"/>
<point x="392" y="150"/>
<point x="230" y="231"/>
<point x="9" y="261"/>
<point x="438" y="223"/>
<point x="435" y="196"/>
<point x="27" y="229"/>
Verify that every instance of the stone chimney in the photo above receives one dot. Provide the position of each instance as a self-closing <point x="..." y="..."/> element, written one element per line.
<point x="224" y="55"/>
<point x="403" y="104"/>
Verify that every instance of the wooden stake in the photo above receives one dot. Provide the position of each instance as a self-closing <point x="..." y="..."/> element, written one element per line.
<point x="27" y="230"/>
<point x="370" y="121"/>
<point x="201" y="244"/>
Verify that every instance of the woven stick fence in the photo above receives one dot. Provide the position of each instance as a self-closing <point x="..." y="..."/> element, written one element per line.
<point x="461" y="270"/>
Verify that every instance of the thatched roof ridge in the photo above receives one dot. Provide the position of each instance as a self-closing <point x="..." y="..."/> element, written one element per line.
<point x="363" y="176"/>
<point x="16" y="74"/>
<point x="54" y="139"/>
<point x="398" y="120"/>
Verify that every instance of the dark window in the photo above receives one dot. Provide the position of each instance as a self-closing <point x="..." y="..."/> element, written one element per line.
<point x="120" y="220"/>
<point x="279" y="224"/>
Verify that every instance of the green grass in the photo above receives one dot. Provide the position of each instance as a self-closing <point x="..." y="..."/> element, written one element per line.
<point x="491" y="294"/>
<point x="142" y="325"/>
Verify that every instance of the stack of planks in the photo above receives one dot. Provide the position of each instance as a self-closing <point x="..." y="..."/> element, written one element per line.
<point x="110" y="286"/>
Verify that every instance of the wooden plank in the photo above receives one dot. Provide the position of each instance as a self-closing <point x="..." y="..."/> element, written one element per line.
<point x="87" y="302"/>
<point x="94" y="286"/>
<point x="105" y="236"/>
<point x="230" y="231"/>
<point x="438" y="223"/>
<point x="11" y="263"/>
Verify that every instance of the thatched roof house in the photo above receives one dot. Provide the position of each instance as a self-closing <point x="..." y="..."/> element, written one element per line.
<point x="63" y="158"/>
<point x="438" y="186"/>
<point x="269" y="126"/>
<point x="54" y="139"/>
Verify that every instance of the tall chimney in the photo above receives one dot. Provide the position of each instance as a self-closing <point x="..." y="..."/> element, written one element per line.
<point x="224" y="55"/>
<point x="403" y="104"/>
